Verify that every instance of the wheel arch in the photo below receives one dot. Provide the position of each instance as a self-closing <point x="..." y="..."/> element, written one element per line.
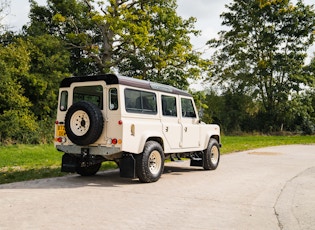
<point x="158" y="140"/>
<point x="217" y="137"/>
<point x="150" y="137"/>
<point x="209" y="136"/>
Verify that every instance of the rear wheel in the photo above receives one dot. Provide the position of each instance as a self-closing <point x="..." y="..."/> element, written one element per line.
<point x="211" y="155"/>
<point x="89" y="170"/>
<point x="150" y="163"/>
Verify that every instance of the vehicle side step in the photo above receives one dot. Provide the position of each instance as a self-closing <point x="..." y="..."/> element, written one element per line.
<point x="177" y="156"/>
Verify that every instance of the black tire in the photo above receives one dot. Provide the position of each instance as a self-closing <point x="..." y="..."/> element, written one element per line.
<point x="150" y="163"/>
<point x="84" y="123"/>
<point x="211" y="155"/>
<point x="88" y="171"/>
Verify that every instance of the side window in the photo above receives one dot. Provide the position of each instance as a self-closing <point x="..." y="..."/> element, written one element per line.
<point x="113" y="99"/>
<point x="187" y="108"/>
<point x="64" y="101"/>
<point x="140" y="101"/>
<point x="169" y="106"/>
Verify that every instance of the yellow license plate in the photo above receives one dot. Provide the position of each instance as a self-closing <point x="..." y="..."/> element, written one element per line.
<point x="61" y="131"/>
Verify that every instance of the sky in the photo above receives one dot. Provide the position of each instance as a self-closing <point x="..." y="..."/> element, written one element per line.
<point x="207" y="13"/>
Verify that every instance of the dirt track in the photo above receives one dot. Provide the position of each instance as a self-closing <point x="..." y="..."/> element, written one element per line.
<point x="270" y="188"/>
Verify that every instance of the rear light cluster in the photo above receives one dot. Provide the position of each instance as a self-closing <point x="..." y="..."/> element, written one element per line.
<point x="114" y="141"/>
<point x="61" y="139"/>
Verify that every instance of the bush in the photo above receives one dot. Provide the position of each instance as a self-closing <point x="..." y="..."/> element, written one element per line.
<point x="18" y="126"/>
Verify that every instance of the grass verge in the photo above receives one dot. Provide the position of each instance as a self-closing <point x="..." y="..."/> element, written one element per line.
<point x="28" y="162"/>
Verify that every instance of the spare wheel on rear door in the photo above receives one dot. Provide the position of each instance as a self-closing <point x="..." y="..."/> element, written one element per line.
<point x="84" y="123"/>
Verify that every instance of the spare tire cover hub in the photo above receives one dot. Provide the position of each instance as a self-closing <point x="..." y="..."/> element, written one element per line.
<point x="80" y="123"/>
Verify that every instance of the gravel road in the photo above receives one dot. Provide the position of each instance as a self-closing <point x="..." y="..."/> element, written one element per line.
<point x="268" y="188"/>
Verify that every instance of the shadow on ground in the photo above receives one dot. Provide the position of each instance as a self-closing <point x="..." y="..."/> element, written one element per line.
<point x="108" y="178"/>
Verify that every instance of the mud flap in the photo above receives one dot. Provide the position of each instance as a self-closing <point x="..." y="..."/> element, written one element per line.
<point x="194" y="161"/>
<point x="69" y="163"/>
<point x="127" y="165"/>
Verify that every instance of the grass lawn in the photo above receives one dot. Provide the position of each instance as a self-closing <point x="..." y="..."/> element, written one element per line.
<point x="240" y="143"/>
<point x="28" y="162"/>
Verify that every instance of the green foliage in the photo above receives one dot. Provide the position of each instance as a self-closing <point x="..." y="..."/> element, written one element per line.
<point x="139" y="38"/>
<point x="263" y="52"/>
<point x="136" y="38"/>
<point x="167" y="56"/>
<point x="301" y="111"/>
<point x="17" y="126"/>
<point x="48" y="66"/>
<point x="16" y="120"/>
<point x="234" y="111"/>
<point x="30" y="72"/>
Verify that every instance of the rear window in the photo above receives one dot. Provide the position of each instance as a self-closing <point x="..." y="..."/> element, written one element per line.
<point x="138" y="101"/>
<point x="93" y="94"/>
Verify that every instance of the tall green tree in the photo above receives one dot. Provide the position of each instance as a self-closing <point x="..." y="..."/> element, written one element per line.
<point x="49" y="63"/>
<point x="145" y="39"/>
<point x="167" y="55"/>
<point x="262" y="52"/>
<point x="16" y="118"/>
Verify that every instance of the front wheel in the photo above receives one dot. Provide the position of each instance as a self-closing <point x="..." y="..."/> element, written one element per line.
<point x="211" y="155"/>
<point x="150" y="163"/>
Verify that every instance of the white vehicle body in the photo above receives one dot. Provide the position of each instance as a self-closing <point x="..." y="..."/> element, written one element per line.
<point x="132" y="113"/>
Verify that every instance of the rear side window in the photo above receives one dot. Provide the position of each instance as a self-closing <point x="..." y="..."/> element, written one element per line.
<point x="64" y="101"/>
<point x="140" y="101"/>
<point x="93" y="94"/>
<point x="187" y="108"/>
<point x="113" y="99"/>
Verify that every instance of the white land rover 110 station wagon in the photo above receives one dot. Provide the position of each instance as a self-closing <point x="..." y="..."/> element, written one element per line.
<point x="133" y="122"/>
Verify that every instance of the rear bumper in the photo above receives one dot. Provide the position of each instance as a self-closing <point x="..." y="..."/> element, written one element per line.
<point x="93" y="150"/>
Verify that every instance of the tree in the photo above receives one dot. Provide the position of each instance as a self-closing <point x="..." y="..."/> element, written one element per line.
<point x="49" y="63"/>
<point x="264" y="51"/>
<point x="137" y="38"/>
<point x="30" y="72"/>
<point x="16" y="118"/>
<point x="167" y="55"/>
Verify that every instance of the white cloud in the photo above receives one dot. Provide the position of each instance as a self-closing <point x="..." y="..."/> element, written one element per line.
<point x="19" y="11"/>
<point x="207" y="14"/>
